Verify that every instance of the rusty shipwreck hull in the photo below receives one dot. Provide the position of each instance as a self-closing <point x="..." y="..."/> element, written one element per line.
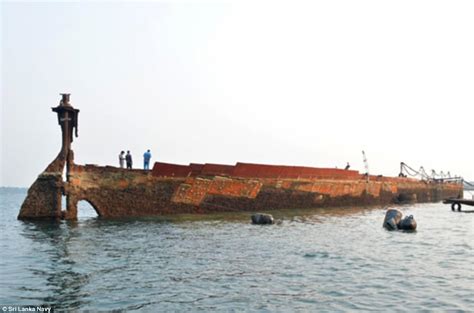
<point x="206" y="188"/>
<point x="172" y="189"/>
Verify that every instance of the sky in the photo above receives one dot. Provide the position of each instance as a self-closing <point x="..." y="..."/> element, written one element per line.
<point x="291" y="83"/>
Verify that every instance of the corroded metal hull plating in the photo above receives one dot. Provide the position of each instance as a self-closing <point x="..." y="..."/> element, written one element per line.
<point x="205" y="188"/>
<point x="117" y="192"/>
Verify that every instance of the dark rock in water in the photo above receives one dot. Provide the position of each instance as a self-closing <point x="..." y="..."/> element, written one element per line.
<point x="260" y="218"/>
<point x="408" y="223"/>
<point x="392" y="219"/>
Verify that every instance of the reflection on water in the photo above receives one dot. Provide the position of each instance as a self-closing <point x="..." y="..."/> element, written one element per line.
<point x="61" y="275"/>
<point x="326" y="259"/>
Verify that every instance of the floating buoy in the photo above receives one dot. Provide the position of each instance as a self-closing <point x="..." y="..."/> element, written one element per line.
<point x="456" y="206"/>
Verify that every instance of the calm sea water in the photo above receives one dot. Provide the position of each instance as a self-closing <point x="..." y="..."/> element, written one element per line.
<point x="314" y="260"/>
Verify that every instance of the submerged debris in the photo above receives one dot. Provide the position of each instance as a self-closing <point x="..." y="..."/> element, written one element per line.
<point x="394" y="220"/>
<point x="408" y="223"/>
<point x="261" y="219"/>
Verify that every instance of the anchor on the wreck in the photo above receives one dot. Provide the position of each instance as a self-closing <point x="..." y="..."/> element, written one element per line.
<point x="44" y="199"/>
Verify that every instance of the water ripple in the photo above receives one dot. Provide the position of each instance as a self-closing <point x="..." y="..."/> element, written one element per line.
<point x="338" y="260"/>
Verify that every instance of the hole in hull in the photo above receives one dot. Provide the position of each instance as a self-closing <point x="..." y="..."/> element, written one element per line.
<point x="85" y="210"/>
<point x="64" y="175"/>
<point x="63" y="203"/>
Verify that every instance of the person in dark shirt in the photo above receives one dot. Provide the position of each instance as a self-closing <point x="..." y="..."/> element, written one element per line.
<point x="128" y="159"/>
<point x="347" y="166"/>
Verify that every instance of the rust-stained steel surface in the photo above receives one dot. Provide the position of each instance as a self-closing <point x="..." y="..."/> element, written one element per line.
<point x="201" y="188"/>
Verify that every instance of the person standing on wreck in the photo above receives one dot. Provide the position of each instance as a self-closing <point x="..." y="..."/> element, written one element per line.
<point x="122" y="159"/>
<point x="146" y="160"/>
<point x="128" y="158"/>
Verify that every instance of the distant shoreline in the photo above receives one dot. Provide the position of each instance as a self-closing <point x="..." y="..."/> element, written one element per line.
<point x="12" y="188"/>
